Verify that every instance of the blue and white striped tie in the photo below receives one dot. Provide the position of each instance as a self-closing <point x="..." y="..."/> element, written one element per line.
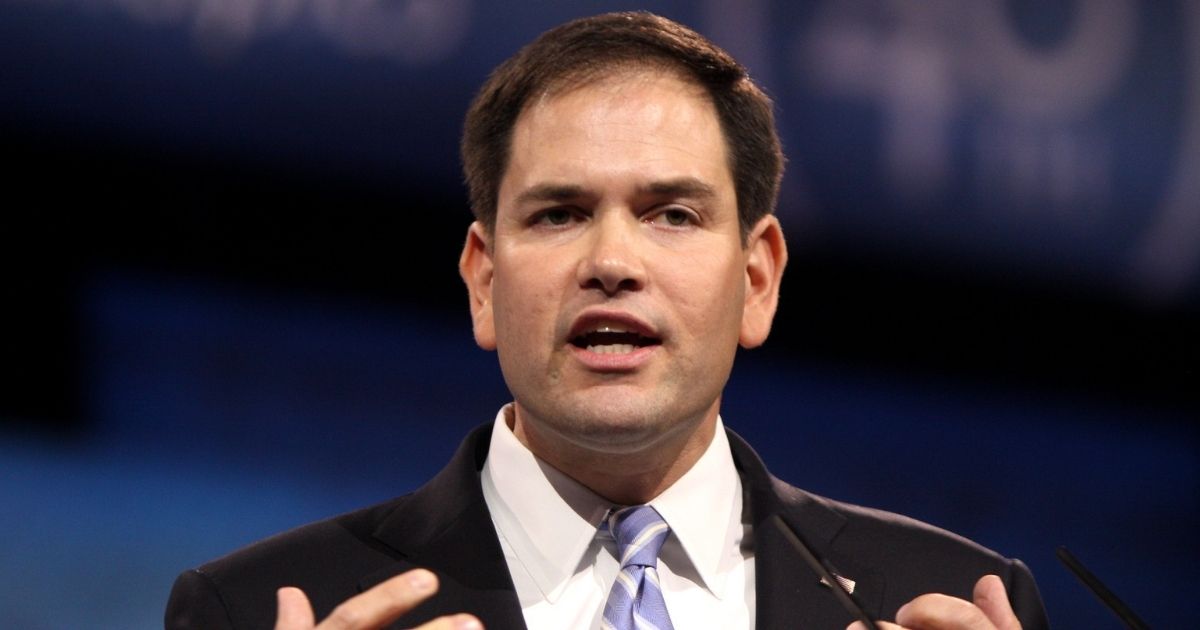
<point x="635" y="601"/>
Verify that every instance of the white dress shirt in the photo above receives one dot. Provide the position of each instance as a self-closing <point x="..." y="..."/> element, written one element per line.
<point x="563" y="566"/>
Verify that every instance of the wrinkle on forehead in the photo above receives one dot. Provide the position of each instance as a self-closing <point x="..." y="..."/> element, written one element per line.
<point x="612" y="85"/>
<point x="613" y="102"/>
<point x="629" y="129"/>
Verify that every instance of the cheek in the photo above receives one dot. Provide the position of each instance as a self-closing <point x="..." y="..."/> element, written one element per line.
<point x="708" y="294"/>
<point x="524" y="304"/>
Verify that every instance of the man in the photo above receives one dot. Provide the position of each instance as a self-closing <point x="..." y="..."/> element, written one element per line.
<point x="623" y="172"/>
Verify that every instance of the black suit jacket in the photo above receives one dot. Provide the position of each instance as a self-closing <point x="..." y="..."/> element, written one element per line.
<point x="445" y="526"/>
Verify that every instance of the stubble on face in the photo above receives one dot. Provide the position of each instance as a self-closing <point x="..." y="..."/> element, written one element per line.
<point x="612" y="140"/>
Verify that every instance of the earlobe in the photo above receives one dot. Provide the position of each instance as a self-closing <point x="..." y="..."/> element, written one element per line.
<point x="766" y="258"/>
<point x="475" y="267"/>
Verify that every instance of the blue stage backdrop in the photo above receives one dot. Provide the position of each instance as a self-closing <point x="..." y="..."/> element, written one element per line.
<point x="1056" y="138"/>
<point x="231" y="231"/>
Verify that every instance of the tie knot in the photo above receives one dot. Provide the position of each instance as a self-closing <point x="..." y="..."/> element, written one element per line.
<point x="640" y="533"/>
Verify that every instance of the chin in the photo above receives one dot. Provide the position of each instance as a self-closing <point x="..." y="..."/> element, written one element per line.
<point x="620" y="428"/>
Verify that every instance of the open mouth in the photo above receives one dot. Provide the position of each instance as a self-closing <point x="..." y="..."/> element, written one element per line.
<point x="612" y="340"/>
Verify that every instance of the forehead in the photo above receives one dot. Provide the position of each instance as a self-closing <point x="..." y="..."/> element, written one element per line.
<point x="630" y="124"/>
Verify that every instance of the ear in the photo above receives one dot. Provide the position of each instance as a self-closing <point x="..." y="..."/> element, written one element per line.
<point x="475" y="267"/>
<point x="766" y="256"/>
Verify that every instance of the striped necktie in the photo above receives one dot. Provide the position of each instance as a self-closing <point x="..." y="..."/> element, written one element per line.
<point x="635" y="601"/>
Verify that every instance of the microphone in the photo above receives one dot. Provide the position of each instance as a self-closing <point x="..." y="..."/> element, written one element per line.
<point x="1107" y="597"/>
<point x="826" y="571"/>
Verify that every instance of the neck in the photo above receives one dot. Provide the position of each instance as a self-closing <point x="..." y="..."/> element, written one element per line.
<point x="625" y="477"/>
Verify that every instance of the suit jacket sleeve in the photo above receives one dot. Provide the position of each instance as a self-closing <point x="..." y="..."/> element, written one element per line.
<point x="195" y="603"/>
<point x="1025" y="600"/>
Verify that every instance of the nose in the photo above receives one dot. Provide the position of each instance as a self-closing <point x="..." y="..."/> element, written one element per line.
<point x="612" y="262"/>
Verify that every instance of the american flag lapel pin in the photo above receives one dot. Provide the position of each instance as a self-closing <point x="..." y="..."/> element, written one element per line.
<point x="846" y="583"/>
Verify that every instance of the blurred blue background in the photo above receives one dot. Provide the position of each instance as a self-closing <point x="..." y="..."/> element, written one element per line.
<point x="229" y="241"/>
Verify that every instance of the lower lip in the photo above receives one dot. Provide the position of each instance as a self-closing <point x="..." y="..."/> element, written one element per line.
<point x="626" y="362"/>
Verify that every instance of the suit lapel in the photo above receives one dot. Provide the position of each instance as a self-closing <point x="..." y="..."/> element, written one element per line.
<point x="445" y="527"/>
<point x="789" y="594"/>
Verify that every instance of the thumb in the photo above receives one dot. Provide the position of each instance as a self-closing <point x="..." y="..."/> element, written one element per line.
<point x="992" y="599"/>
<point x="295" y="613"/>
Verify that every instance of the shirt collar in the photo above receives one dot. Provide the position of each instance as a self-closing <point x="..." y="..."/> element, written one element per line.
<point x="550" y="520"/>
<point x="704" y="510"/>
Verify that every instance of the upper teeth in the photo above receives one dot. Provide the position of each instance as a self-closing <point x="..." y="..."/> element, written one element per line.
<point x="619" y="348"/>
<point x="611" y="348"/>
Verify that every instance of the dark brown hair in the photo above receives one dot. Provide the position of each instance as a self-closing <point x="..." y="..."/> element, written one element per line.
<point x="581" y="50"/>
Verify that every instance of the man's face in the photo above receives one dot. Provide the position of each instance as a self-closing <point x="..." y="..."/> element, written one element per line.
<point x="616" y="285"/>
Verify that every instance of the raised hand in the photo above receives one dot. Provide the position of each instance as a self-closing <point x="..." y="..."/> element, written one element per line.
<point x="372" y="609"/>
<point x="988" y="610"/>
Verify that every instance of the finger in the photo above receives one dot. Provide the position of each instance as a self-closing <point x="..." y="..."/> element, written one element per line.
<point x="992" y="599"/>
<point x="942" y="612"/>
<point x="882" y="625"/>
<point x="382" y="604"/>
<point x="293" y="612"/>
<point x="454" y="622"/>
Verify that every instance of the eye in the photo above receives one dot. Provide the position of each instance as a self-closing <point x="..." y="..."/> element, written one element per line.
<point x="674" y="216"/>
<point x="554" y="217"/>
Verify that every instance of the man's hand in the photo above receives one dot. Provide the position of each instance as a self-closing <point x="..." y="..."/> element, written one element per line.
<point x="373" y="609"/>
<point x="989" y="611"/>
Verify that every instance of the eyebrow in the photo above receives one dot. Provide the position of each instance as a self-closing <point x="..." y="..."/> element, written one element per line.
<point x="678" y="187"/>
<point x="551" y="192"/>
